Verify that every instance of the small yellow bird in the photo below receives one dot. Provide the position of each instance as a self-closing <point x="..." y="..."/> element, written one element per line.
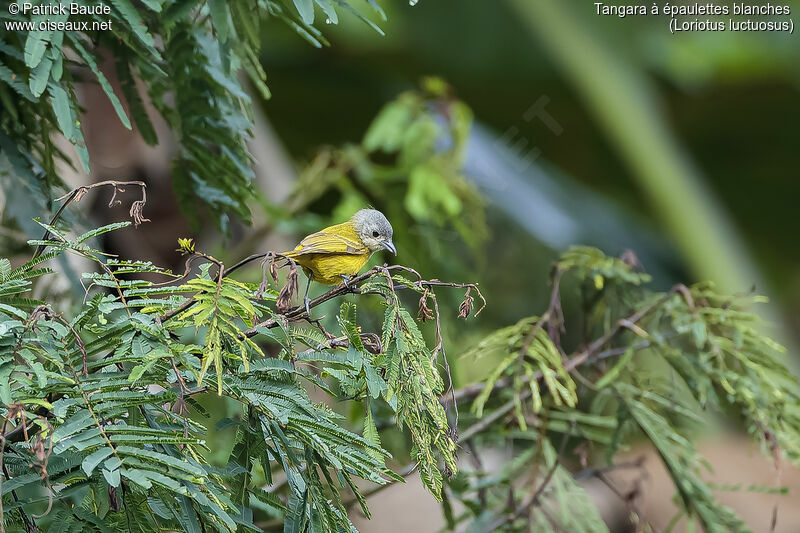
<point x="339" y="252"/>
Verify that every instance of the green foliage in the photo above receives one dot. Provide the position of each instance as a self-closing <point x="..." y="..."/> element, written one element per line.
<point x="104" y="426"/>
<point x="105" y="419"/>
<point x="414" y="151"/>
<point x="102" y="423"/>
<point x="591" y="264"/>
<point x="188" y="56"/>
<point x="679" y="457"/>
<point x="414" y="386"/>
<point x="527" y="354"/>
<point x="660" y="365"/>
<point x="406" y="129"/>
<point x="14" y="282"/>
<point x="571" y="507"/>
<point x="219" y="306"/>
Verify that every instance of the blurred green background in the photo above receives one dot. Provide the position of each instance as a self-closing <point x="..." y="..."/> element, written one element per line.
<point x="588" y="130"/>
<point x="680" y="147"/>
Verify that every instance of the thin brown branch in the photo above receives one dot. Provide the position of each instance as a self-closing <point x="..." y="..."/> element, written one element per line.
<point x="596" y="471"/>
<point x="553" y="317"/>
<point x="187" y="270"/>
<point x="589" y="355"/>
<point x="76" y="194"/>
<point x="225" y="272"/>
<point x="475" y="458"/>
<point x="533" y="499"/>
<point x="353" y="287"/>
<point x="470" y="391"/>
<point x="78" y="340"/>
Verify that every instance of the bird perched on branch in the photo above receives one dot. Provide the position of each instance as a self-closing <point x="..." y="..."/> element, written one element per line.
<point x="337" y="253"/>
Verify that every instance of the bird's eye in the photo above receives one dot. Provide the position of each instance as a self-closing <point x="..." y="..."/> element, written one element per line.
<point x="375" y="233"/>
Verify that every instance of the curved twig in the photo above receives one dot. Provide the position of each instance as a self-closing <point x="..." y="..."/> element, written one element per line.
<point x="354" y="287"/>
<point x="76" y="194"/>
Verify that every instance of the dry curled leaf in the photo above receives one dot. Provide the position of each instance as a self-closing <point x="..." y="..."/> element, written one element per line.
<point x="267" y="265"/>
<point x="582" y="452"/>
<point x="180" y="408"/>
<point x="425" y="312"/>
<point x="629" y="258"/>
<point x="39" y="449"/>
<point x="15" y="410"/>
<point x="40" y="312"/>
<point x="113" y="500"/>
<point x="136" y="212"/>
<point x="80" y="193"/>
<point x="372" y="343"/>
<point x="452" y="432"/>
<point x="283" y="303"/>
<point x="273" y="268"/>
<point x="684" y="291"/>
<point x="466" y="306"/>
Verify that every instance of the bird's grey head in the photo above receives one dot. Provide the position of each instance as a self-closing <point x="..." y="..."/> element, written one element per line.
<point x="374" y="230"/>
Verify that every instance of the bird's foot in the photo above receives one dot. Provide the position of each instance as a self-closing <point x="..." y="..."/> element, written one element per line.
<point x="346" y="280"/>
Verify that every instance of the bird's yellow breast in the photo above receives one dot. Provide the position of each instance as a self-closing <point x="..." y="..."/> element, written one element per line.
<point x="329" y="268"/>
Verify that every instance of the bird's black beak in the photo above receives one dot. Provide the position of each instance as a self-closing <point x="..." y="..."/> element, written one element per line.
<point x="389" y="245"/>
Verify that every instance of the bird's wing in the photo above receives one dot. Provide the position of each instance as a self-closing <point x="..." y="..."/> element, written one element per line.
<point x="324" y="242"/>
